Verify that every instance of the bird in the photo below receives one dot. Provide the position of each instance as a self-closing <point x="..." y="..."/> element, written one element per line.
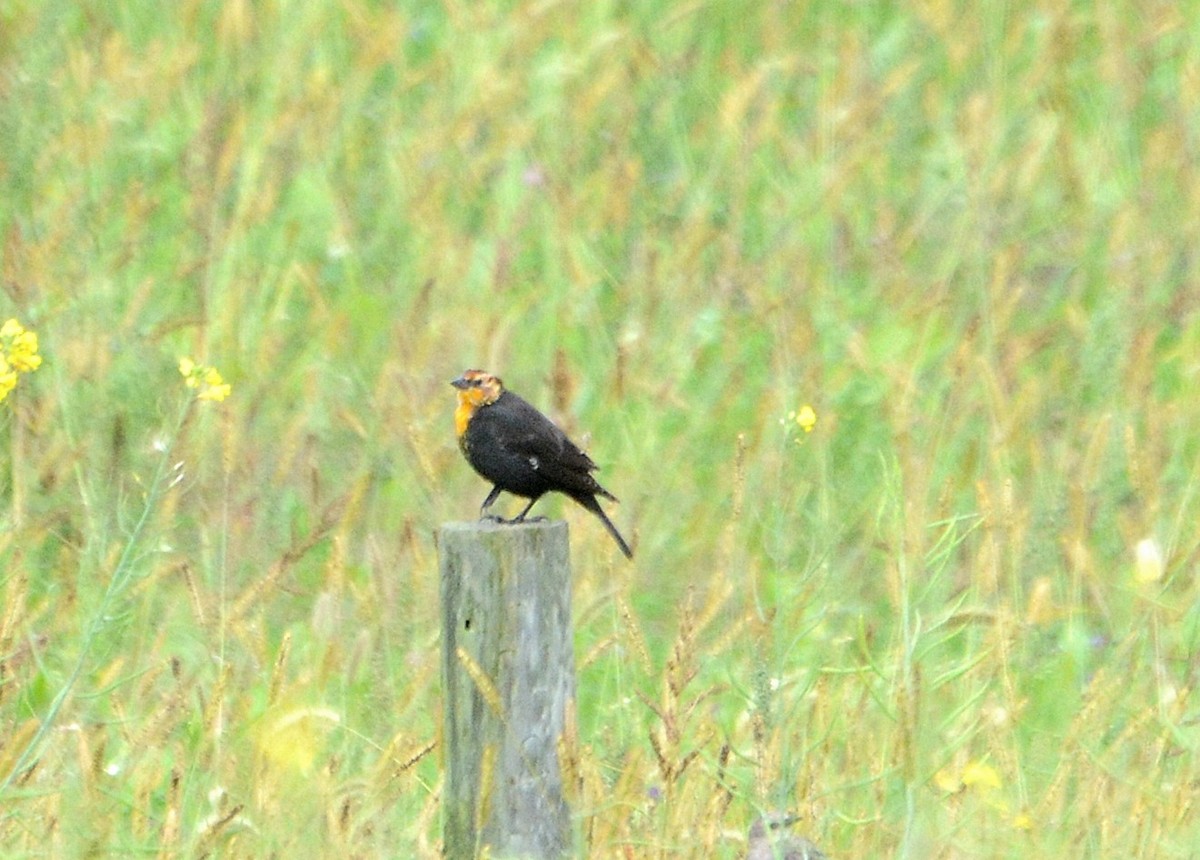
<point x="521" y="451"/>
<point x="769" y="841"/>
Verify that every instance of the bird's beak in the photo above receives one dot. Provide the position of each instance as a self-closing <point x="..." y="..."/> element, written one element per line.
<point x="460" y="383"/>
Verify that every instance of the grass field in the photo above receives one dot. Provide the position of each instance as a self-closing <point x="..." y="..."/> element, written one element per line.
<point x="964" y="234"/>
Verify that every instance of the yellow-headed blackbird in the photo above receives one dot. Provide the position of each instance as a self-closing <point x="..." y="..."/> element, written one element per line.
<point x="521" y="451"/>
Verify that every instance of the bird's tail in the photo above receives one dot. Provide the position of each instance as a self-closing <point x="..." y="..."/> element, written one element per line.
<point x="592" y="505"/>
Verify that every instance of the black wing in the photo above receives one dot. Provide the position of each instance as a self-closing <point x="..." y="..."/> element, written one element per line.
<point x="518" y="428"/>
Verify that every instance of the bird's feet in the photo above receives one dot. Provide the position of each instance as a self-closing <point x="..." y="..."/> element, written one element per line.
<point x="492" y="518"/>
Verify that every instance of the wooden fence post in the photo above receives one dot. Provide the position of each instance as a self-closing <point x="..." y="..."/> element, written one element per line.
<point x="508" y="673"/>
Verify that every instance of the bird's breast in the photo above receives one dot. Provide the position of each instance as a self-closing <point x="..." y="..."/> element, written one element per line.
<point x="462" y="418"/>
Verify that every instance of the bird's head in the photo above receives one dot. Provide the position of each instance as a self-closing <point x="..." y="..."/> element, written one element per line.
<point x="478" y="388"/>
<point x="772" y="823"/>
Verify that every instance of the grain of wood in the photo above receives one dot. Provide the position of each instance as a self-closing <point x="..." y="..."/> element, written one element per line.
<point x="508" y="673"/>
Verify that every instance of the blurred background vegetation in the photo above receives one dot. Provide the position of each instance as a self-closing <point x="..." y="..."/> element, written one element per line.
<point x="965" y="234"/>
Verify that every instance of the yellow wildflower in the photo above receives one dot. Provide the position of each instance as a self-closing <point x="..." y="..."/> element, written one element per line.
<point x="981" y="780"/>
<point x="18" y="354"/>
<point x="805" y="418"/>
<point x="981" y="774"/>
<point x="293" y="739"/>
<point x="215" y="388"/>
<point x="24" y="355"/>
<point x="975" y="774"/>
<point x="1022" y="821"/>
<point x="206" y="380"/>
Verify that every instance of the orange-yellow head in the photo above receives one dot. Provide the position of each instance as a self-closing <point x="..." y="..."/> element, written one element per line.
<point x="476" y="388"/>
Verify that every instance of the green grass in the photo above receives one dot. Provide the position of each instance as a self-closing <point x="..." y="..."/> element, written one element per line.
<point x="965" y="234"/>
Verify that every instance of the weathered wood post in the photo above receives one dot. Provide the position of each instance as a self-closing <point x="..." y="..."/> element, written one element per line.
<point x="508" y="673"/>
